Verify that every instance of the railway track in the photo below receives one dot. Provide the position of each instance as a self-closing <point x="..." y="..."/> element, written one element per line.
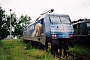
<point x="78" y="57"/>
<point x="73" y="57"/>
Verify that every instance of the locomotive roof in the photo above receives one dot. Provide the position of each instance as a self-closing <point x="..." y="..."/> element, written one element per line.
<point x="57" y="14"/>
<point x="49" y="14"/>
<point x="80" y="21"/>
<point x="52" y="14"/>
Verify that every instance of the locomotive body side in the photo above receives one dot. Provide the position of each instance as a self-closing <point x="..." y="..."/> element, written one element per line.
<point x="35" y="31"/>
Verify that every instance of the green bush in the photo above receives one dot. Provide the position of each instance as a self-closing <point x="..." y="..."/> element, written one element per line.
<point x="80" y="49"/>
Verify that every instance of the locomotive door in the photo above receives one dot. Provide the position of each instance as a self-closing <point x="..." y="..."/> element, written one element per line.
<point x="40" y="32"/>
<point x="39" y="27"/>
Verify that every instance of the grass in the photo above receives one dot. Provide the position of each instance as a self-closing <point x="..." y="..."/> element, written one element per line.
<point x="18" y="50"/>
<point x="80" y="50"/>
<point x="21" y="51"/>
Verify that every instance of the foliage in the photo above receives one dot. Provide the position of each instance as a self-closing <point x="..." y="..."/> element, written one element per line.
<point x="80" y="49"/>
<point x="3" y="30"/>
<point x="22" y="22"/>
<point x="16" y="24"/>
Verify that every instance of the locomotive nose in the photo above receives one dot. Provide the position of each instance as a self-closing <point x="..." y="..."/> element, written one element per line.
<point x="61" y="31"/>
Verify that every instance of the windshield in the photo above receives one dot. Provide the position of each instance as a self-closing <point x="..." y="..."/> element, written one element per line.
<point x="55" y="19"/>
<point x="59" y="19"/>
<point x="65" y="19"/>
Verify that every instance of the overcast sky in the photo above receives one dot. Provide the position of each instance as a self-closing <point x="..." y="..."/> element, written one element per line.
<point x="76" y="9"/>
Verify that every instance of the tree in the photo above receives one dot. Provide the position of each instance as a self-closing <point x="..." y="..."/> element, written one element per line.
<point x="21" y="23"/>
<point x="17" y="24"/>
<point x="3" y="30"/>
<point x="24" y="20"/>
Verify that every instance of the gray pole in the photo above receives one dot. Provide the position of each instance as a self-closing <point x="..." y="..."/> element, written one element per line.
<point x="10" y="25"/>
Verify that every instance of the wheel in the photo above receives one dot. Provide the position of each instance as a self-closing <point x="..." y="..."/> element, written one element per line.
<point x="39" y="45"/>
<point x="36" y="45"/>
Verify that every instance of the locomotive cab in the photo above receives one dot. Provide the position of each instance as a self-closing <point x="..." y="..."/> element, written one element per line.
<point x="58" y="26"/>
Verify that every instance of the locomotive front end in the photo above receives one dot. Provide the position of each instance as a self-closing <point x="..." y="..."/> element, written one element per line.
<point x="61" y="27"/>
<point x="61" y="31"/>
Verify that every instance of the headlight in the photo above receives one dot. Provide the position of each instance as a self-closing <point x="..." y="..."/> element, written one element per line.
<point x="71" y="36"/>
<point x="54" y="35"/>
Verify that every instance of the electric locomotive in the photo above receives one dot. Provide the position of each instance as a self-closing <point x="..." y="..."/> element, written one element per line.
<point x="52" y="30"/>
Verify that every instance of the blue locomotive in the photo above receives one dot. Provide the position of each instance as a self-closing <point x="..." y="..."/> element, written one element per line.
<point x="51" y="30"/>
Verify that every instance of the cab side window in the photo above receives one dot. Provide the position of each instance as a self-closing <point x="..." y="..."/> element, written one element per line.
<point x="42" y="20"/>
